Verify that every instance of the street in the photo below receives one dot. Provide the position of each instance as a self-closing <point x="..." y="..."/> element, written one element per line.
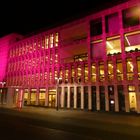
<point x="49" y="124"/>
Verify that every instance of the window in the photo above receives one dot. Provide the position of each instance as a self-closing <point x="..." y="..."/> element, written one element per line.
<point x="130" y="69"/>
<point x="96" y="27"/>
<point x="86" y="73"/>
<point x="110" y="71"/>
<point x="66" y="75"/>
<point x="51" y="40"/>
<point x="101" y="71"/>
<point x="131" y="17"/>
<point x="97" y="49"/>
<point x="46" y="42"/>
<point x="112" y="24"/>
<point x="93" y="73"/>
<point x="81" y="57"/>
<point x="132" y="41"/>
<point x="79" y="74"/>
<point x="138" y="65"/>
<point x="113" y="45"/>
<point x="72" y="74"/>
<point x="119" y="70"/>
<point x="56" y="40"/>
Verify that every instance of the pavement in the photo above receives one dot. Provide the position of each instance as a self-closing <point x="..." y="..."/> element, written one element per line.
<point x="111" y="117"/>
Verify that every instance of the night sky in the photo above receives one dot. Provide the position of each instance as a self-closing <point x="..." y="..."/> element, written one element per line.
<point x="27" y="16"/>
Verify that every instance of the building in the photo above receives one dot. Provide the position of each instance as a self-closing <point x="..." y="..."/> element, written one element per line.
<point x="92" y="63"/>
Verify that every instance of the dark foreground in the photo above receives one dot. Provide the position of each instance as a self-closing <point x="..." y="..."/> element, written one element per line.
<point x="49" y="124"/>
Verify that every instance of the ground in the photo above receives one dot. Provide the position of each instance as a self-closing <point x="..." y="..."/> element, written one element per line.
<point x="50" y="124"/>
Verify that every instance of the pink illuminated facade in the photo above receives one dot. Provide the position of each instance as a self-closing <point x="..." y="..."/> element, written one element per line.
<point x="92" y="63"/>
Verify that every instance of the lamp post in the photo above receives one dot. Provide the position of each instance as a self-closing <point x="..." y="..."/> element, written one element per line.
<point x="57" y="92"/>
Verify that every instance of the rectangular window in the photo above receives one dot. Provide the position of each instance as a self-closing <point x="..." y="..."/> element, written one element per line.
<point x="113" y="45"/>
<point x="86" y="73"/>
<point x="131" y="16"/>
<point x="66" y="75"/>
<point x="110" y="71"/>
<point x="51" y="40"/>
<point x="132" y="41"/>
<point x="130" y="69"/>
<point x="93" y="73"/>
<point x="79" y="74"/>
<point x="138" y="65"/>
<point x="119" y="70"/>
<point x="96" y="27"/>
<point x="72" y="74"/>
<point x="97" y="49"/>
<point x="56" y="40"/>
<point x="112" y="24"/>
<point x="101" y="72"/>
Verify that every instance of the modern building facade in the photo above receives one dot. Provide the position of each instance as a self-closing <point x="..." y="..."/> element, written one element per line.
<point x="92" y="63"/>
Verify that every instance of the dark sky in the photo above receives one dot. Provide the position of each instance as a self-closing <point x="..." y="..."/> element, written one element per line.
<point x="25" y="16"/>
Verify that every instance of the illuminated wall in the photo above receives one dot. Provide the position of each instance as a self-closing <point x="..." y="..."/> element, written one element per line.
<point x="4" y="50"/>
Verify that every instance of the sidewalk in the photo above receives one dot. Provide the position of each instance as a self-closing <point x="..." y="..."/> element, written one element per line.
<point x="108" y="117"/>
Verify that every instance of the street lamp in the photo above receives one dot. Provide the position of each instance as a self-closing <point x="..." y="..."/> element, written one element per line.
<point x="57" y="92"/>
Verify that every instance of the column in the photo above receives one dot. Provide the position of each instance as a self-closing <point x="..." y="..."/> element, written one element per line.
<point x="138" y="98"/>
<point x="29" y="97"/>
<point x="97" y="97"/>
<point x="82" y="97"/>
<point x="106" y="99"/>
<point x="46" y="97"/>
<point x="62" y="97"/>
<point x="10" y="96"/>
<point x="116" y="98"/>
<point x="126" y="99"/>
<point x="89" y="98"/>
<point x="37" y="97"/>
<point x="68" y="98"/>
<point x="75" y="97"/>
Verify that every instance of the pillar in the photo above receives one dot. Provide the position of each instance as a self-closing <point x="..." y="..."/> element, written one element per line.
<point x="46" y="97"/>
<point x="29" y="96"/>
<point x="37" y="97"/>
<point x="89" y="98"/>
<point x="97" y="98"/>
<point x="106" y="99"/>
<point x="62" y="97"/>
<point x="68" y="98"/>
<point x="126" y="99"/>
<point x="75" y="97"/>
<point x="82" y="97"/>
<point x="138" y="98"/>
<point x="116" y="98"/>
<point x="10" y="96"/>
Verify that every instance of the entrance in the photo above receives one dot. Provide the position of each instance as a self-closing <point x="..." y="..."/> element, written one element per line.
<point x="132" y="101"/>
<point x="132" y="98"/>
<point x="52" y="99"/>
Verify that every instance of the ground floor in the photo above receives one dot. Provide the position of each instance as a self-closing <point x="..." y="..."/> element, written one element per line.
<point x="115" y="98"/>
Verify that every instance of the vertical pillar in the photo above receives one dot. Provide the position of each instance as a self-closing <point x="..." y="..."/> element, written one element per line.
<point x="62" y="97"/>
<point x="68" y="98"/>
<point x="106" y="99"/>
<point x="10" y="97"/>
<point x="37" y="97"/>
<point x="82" y="97"/>
<point x="75" y="97"/>
<point x="138" y="98"/>
<point x="97" y="98"/>
<point x="29" y="97"/>
<point x="46" y="96"/>
<point x="116" y="98"/>
<point x="89" y="98"/>
<point x="126" y="99"/>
